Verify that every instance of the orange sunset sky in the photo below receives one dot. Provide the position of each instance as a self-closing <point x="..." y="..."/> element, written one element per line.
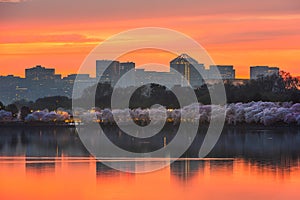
<point x="60" y="33"/>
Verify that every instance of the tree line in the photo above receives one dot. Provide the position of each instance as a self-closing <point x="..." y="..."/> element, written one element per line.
<point x="282" y="88"/>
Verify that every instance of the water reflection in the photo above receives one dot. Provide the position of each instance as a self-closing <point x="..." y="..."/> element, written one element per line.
<point x="86" y="178"/>
<point x="185" y="170"/>
<point x="266" y="146"/>
<point x="40" y="142"/>
<point x="40" y="166"/>
<point x="247" y="163"/>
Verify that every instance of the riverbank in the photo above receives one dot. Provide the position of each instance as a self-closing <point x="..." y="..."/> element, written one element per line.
<point x="168" y="124"/>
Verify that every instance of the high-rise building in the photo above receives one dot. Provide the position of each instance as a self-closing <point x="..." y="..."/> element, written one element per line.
<point x="12" y="89"/>
<point x="41" y="82"/>
<point x="126" y="67"/>
<point x="227" y="72"/>
<point x="189" y="68"/>
<point x="263" y="71"/>
<point x="73" y="77"/>
<point x="108" y="71"/>
<point x="127" y="74"/>
<point x="39" y="73"/>
<point x="83" y="81"/>
<point x="163" y="78"/>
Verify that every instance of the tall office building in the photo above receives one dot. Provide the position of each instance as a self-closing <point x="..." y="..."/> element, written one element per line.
<point x="163" y="78"/>
<point x="40" y="73"/>
<point x="127" y="74"/>
<point x="227" y="72"/>
<point x="83" y="81"/>
<point x="108" y="71"/>
<point x="41" y="82"/>
<point x="126" y="67"/>
<point x="12" y="89"/>
<point x="189" y="68"/>
<point x="263" y="71"/>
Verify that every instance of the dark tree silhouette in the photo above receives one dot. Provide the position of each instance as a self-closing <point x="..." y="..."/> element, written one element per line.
<point x="271" y="88"/>
<point x="23" y="102"/>
<point x="24" y="112"/>
<point x="149" y="95"/>
<point x="13" y="109"/>
<point x="52" y="103"/>
<point x="1" y="106"/>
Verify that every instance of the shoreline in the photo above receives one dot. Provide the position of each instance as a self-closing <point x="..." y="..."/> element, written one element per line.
<point x="170" y="124"/>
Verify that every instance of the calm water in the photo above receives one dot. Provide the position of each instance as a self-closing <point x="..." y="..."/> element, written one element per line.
<point x="247" y="163"/>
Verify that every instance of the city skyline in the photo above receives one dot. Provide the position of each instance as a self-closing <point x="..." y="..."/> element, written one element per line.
<point x="146" y="68"/>
<point x="40" y="81"/>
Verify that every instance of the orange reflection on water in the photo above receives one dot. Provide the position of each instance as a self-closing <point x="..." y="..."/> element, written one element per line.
<point x="84" y="178"/>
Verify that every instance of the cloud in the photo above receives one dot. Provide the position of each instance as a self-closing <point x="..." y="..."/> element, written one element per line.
<point x="59" y="38"/>
<point x="99" y="10"/>
<point x="12" y="1"/>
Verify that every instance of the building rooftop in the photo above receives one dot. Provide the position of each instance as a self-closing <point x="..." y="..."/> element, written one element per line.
<point x="183" y="57"/>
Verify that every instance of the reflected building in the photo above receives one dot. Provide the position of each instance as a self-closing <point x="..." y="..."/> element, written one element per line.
<point x="103" y="170"/>
<point x="271" y="147"/>
<point x="32" y="165"/>
<point x="216" y="166"/>
<point x="185" y="170"/>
